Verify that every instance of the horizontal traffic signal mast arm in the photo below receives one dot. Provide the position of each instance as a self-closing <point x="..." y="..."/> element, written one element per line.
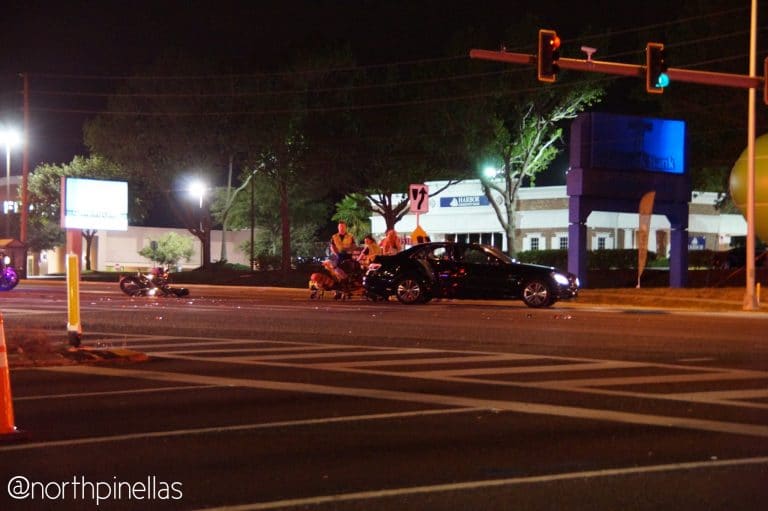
<point x="617" y="68"/>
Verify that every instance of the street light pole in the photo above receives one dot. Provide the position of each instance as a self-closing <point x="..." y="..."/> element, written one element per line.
<point x="750" y="298"/>
<point x="11" y="138"/>
<point x="6" y="202"/>
<point x="198" y="189"/>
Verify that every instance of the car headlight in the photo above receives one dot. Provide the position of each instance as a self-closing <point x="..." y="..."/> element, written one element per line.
<point x="560" y="279"/>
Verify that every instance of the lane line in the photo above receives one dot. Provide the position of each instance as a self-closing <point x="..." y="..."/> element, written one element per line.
<point x="432" y="400"/>
<point x="233" y="428"/>
<point x="116" y="392"/>
<point x="490" y="483"/>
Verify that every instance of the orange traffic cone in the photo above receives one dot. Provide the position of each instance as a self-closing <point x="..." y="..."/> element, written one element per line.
<point x="7" y="430"/>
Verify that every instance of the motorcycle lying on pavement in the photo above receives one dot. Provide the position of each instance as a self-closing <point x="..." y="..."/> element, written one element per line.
<point x="153" y="283"/>
<point x="8" y="276"/>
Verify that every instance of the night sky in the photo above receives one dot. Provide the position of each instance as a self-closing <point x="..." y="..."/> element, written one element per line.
<point x="64" y="44"/>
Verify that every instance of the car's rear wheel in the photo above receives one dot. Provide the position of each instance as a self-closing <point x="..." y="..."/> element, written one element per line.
<point x="410" y="290"/>
<point x="536" y="294"/>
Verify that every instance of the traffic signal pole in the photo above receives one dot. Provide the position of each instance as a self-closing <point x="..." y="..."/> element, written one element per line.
<point x="630" y="70"/>
<point x="752" y="82"/>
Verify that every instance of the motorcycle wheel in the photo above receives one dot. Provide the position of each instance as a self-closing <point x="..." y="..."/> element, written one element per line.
<point x="131" y="286"/>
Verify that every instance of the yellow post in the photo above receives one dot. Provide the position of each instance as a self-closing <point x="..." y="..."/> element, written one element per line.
<point x="74" y="329"/>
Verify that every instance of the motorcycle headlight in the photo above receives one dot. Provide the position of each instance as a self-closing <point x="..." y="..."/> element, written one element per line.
<point x="7" y="260"/>
<point x="560" y="279"/>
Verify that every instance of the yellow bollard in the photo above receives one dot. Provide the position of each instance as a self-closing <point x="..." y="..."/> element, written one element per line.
<point x="74" y="329"/>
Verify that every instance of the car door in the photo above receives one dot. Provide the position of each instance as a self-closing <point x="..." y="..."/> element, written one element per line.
<point x="483" y="274"/>
<point x="441" y="263"/>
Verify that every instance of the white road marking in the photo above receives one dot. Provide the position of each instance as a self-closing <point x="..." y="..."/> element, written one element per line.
<point x="649" y="380"/>
<point x="232" y="429"/>
<point x="431" y="399"/>
<point x="115" y="392"/>
<point x="489" y="483"/>
<point x="553" y="368"/>
<point x="458" y="359"/>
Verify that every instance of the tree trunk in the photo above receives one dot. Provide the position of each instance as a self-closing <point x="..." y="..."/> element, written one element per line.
<point x="285" y="221"/>
<point x="224" y="222"/>
<point x="88" y="234"/>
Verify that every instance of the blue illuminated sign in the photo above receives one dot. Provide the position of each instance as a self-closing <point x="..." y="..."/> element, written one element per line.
<point x="638" y="143"/>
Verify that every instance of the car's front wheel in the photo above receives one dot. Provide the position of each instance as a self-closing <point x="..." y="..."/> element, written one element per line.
<point x="536" y="294"/>
<point x="410" y="290"/>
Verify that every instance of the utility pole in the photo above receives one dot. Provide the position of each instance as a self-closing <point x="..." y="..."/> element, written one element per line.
<point x="25" y="167"/>
<point x="750" y="300"/>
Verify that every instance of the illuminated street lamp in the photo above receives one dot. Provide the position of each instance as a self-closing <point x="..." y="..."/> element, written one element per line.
<point x="10" y="138"/>
<point x="490" y="172"/>
<point x="198" y="189"/>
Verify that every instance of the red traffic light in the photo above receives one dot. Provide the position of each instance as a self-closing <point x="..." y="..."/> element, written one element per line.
<point x="546" y="64"/>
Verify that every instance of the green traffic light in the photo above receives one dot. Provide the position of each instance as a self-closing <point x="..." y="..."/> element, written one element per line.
<point x="663" y="80"/>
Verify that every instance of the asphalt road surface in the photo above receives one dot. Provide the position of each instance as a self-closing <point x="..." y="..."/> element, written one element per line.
<point x="267" y="400"/>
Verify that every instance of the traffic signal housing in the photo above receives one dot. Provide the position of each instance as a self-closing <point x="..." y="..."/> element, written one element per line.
<point x="656" y="77"/>
<point x="549" y="53"/>
<point x="765" y="81"/>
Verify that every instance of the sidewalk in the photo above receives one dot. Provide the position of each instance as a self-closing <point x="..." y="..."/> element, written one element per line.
<point x="725" y="299"/>
<point x="722" y="299"/>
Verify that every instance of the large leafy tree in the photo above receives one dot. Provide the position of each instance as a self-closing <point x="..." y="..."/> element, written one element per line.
<point x="409" y="135"/>
<point x="516" y="123"/>
<point x="525" y="141"/>
<point x="45" y="198"/>
<point x="173" y="123"/>
<point x="189" y="115"/>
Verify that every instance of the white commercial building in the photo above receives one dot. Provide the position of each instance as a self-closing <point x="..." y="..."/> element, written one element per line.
<point x="119" y="250"/>
<point x="462" y="212"/>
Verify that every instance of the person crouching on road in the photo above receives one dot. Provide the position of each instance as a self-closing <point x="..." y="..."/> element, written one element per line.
<point x="369" y="252"/>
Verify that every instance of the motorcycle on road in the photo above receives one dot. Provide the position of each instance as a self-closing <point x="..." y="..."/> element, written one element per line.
<point x="8" y="276"/>
<point x="153" y="283"/>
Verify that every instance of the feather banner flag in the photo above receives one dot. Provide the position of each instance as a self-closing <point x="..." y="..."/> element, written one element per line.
<point x="643" y="229"/>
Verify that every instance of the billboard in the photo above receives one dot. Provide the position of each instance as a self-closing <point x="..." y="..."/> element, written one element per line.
<point x="638" y="143"/>
<point x="94" y="204"/>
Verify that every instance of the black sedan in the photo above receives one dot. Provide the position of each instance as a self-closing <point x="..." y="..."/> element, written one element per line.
<point x="464" y="270"/>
